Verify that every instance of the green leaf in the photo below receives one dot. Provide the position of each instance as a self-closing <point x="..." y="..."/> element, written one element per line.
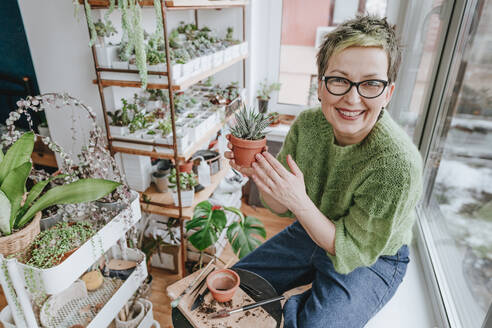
<point x="35" y="191"/>
<point x="210" y="224"/>
<point x="203" y="238"/>
<point x="4" y="214"/>
<point x="80" y="191"/>
<point x="19" y="153"/>
<point x="202" y="209"/>
<point x="240" y="235"/>
<point x="13" y="186"/>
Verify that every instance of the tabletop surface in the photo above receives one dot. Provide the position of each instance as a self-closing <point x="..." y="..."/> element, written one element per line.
<point x="249" y="279"/>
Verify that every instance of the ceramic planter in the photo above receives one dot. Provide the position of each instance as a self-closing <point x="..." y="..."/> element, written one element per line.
<point x="263" y="105"/>
<point x="160" y="181"/>
<point x="119" y="64"/>
<point x="228" y="54"/>
<point x="44" y="131"/>
<point x="243" y="48"/>
<point x="245" y="150"/>
<point x="187" y="69"/>
<point x="177" y="71"/>
<point x="223" y="284"/>
<point x="118" y="130"/>
<point x="235" y="51"/>
<point x="49" y="221"/>
<point x="161" y="67"/>
<point x="218" y="58"/>
<point x="196" y="66"/>
<point x="206" y="62"/>
<point x="106" y="54"/>
<point x="135" y="321"/>
<point x="187" y="197"/>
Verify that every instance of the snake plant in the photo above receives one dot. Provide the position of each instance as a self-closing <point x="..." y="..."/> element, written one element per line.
<point x="250" y="125"/>
<point x="15" y="167"/>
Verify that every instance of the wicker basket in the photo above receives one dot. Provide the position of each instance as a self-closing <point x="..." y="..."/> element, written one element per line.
<point x="18" y="242"/>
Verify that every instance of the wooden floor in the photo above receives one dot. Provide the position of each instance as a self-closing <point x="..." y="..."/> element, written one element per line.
<point x="161" y="278"/>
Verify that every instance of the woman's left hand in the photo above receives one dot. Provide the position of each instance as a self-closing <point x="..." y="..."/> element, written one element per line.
<point x="273" y="178"/>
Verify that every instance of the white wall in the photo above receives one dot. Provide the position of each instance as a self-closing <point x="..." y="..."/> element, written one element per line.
<point x="63" y="61"/>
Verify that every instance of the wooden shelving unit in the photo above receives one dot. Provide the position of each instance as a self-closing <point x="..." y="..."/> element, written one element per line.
<point x="158" y="199"/>
<point x="176" y="87"/>
<point x="163" y="203"/>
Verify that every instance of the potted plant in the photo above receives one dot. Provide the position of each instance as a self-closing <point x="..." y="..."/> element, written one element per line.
<point x="187" y="183"/>
<point x="51" y="247"/>
<point x="274" y="118"/>
<point x="211" y="220"/>
<point x="120" y="119"/>
<point x="263" y="94"/>
<point x="105" y="53"/>
<point x="18" y="214"/>
<point x="248" y="136"/>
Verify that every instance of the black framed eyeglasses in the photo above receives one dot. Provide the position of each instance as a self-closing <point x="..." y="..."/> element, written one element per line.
<point x="338" y="86"/>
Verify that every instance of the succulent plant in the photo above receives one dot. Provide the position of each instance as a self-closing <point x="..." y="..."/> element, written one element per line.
<point x="250" y="125"/>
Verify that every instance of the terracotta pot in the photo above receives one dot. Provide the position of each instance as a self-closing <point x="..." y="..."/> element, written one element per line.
<point x="186" y="167"/>
<point x="223" y="284"/>
<point x="245" y="150"/>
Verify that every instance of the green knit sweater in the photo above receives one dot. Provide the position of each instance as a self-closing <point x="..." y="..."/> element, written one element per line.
<point x="369" y="190"/>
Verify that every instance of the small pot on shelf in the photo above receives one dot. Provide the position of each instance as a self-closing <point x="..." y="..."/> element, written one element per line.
<point x="160" y="181"/>
<point x="263" y="105"/>
<point x="20" y="240"/>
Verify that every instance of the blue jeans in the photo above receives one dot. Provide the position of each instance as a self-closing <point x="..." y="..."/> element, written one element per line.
<point x="291" y="259"/>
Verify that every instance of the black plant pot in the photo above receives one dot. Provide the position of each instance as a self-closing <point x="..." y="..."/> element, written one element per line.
<point x="263" y="105"/>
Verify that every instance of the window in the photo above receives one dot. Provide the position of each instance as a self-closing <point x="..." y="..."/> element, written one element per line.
<point x="457" y="207"/>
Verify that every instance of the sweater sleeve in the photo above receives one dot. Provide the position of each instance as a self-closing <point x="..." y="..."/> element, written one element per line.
<point x="289" y="147"/>
<point x="382" y="204"/>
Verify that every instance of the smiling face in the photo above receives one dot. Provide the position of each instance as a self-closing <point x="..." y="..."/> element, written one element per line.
<point x="351" y="115"/>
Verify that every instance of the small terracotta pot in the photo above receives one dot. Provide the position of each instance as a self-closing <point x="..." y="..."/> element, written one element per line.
<point x="186" y="167"/>
<point x="223" y="284"/>
<point x="245" y="150"/>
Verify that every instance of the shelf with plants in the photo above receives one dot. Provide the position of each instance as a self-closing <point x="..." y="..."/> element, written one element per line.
<point x="181" y="84"/>
<point x="163" y="204"/>
<point x="93" y="212"/>
<point x="174" y="60"/>
<point x="177" y="4"/>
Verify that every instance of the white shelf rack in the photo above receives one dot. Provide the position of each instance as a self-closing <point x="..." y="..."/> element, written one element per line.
<point x="60" y="277"/>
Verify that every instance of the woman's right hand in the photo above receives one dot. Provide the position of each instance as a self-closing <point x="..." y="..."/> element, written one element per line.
<point x="246" y="171"/>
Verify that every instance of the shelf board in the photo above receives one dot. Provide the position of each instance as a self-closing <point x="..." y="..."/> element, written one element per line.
<point x="163" y="204"/>
<point x="177" y="4"/>
<point x="176" y="86"/>
<point x="197" y="145"/>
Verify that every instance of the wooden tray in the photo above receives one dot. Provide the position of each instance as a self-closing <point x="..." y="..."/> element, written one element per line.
<point x="257" y="317"/>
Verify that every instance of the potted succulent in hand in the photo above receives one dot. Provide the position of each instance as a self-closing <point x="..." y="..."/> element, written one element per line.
<point x="210" y="221"/>
<point x="187" y="183"/>
<point x="263" y="94"/>
<point x="19" y="217"/>
<point x="248" y="136"/>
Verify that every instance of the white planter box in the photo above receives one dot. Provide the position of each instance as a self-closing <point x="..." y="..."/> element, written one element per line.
<point x="243" y="48"/>
<point x="196" y="66"/>
<point x="118" y="130"/>
<point x="132" y="66"/>
<point x="227" y="54"/>
<point x="106" y="55"/>
<point x="177" y="71"/>
<point x="206" y="62"/>
<point x="60" y="277"/>
<point x="218" y="58"/>
<point x="137" y="135"/>
<point x="157" y="68"/>
<point x="235" y="50"/>
<point x="119" y="64"/>
<point x="187" y="197"/>
<point x="187" y="69"/>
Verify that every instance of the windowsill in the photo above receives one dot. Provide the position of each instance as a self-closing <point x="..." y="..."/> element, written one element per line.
<point x="410" y="307"/>
<point x="278" y="133"/>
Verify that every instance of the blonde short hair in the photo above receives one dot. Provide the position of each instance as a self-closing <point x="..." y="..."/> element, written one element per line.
<point x="362" y="31"/>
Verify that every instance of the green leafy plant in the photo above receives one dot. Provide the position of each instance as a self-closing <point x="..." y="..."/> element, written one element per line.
<point x="211" y="221"/>
<point x="51" y="246"/>
<point x="265" y="89"/>
<point x="165" y="127"/>
<point x="186" y="180"/>
<point x="121" y="117"/>
<point x="15" y="168"/>
<point x="104" y="29"/>
<point x="250" y="125"/>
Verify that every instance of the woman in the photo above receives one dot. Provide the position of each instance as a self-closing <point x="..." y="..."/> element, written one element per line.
<point x="351" y="177"/>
